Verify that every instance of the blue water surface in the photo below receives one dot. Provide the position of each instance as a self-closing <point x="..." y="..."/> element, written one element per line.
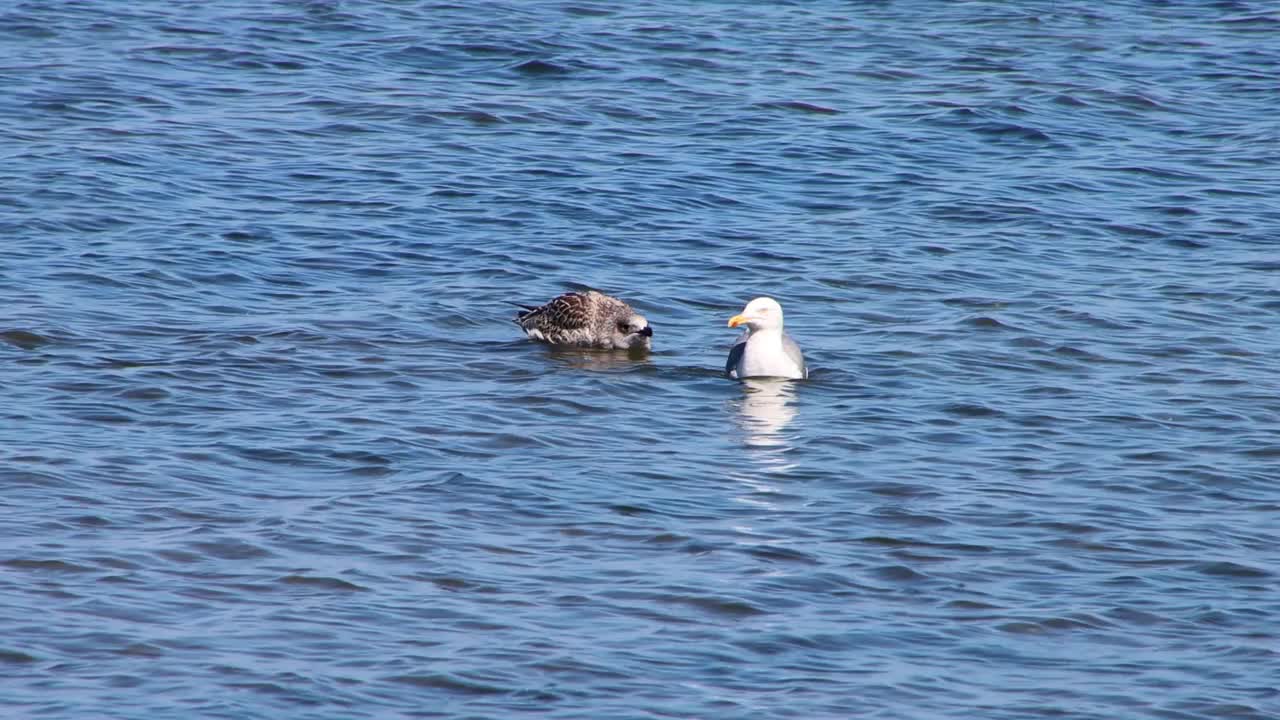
<point x="272" y="447"/>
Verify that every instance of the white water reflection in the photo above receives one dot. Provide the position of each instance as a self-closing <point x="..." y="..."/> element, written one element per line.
<point x="766" y="409"/>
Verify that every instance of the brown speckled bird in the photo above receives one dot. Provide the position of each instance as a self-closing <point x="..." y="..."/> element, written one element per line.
<point x="589" y="319"/>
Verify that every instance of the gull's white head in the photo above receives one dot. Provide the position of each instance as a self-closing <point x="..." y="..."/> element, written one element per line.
<point x="763" y="313"/>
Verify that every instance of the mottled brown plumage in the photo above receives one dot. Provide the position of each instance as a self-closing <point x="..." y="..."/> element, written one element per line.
<point x="590" y="319"/>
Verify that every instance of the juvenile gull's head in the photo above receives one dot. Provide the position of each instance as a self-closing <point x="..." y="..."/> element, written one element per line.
<point x="631" y="331"/>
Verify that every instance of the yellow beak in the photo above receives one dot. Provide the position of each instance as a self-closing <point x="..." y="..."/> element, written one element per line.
<point x="737" y="320"/>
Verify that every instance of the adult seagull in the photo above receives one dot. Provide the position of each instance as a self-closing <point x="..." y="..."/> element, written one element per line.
<point x="764" y="350"/>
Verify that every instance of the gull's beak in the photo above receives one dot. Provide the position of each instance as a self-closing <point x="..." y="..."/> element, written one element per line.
<point x="737" y="320"/>
<point x="647" y="331"/>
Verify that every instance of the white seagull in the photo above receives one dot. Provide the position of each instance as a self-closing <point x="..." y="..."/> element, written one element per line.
<point x="764" y="350"/>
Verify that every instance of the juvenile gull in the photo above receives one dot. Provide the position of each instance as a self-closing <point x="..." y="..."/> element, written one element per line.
<point x="589" y="319"/>
<point x="764" y="350"/>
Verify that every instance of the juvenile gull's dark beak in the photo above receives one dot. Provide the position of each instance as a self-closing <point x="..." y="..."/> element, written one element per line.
<point x="647" y="331"/>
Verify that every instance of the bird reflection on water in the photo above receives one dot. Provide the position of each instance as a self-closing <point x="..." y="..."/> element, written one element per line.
<point x="599" y="360"/>
<point x="765" y="409"/>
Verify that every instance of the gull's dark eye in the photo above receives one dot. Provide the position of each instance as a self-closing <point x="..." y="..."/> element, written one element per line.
<point x="624" y="327"/>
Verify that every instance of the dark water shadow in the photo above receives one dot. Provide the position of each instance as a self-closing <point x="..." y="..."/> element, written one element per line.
<point x="599" y="360"/>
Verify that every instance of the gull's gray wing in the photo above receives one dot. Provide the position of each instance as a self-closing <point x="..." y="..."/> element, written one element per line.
<point x="735" y="356"/>
<point x="792" y="350"/>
